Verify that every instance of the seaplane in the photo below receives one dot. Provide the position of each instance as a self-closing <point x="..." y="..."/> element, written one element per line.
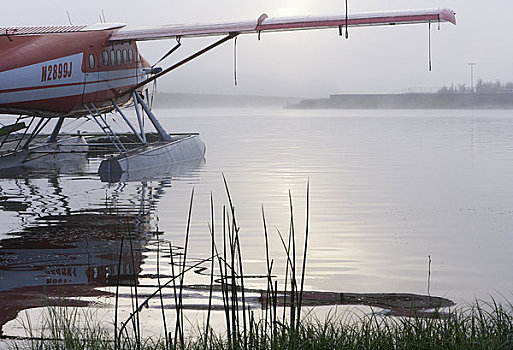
<point x="54" y="73"/>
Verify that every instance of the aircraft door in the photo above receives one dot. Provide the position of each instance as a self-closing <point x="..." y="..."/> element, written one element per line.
<point x="91" y="70"/>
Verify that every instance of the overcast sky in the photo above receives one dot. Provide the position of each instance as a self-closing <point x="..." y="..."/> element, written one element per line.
<point x="312" y="63"/>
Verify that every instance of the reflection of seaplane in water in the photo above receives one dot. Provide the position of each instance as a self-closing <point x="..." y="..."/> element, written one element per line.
<point x="68" y="247"/>
<point x="72" y="257"/>
<point x="59" y="72"/>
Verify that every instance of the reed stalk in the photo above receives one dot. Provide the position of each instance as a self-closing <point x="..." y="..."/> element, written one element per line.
<point x="268" y="265"/>
<point x="116" y="300"/>
<point x="137" y="326"/>
<point x="179" y="319"/>
<point x="162" y="309"/>
<point x="212" y="266"/>
<point x="293" y="284"/>
<point x="226" y="300"/>
<point x="175" y="294"/>
<point x="305" y="249"/>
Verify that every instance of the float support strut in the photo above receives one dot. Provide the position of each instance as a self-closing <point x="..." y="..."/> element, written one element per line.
<point x="56" y="130"/>
<point x="40" y="126"/>
<point x="141" y="138"/>
<point x="139" y="117"/>
<point x="163" y="134"/>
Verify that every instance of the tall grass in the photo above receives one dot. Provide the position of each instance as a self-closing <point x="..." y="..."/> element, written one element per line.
<point x="479" y="326"/>
<point x="65" y="328"/>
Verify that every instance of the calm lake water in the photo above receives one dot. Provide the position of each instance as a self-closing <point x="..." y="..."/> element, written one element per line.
<point x="388" y="189"/>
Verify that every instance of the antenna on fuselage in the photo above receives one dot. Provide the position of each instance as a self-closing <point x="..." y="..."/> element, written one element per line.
<point x="69" y="18"/>
<point x="102" y="17"/>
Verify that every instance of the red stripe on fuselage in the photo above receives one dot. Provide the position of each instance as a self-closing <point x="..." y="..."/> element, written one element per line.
<point x="70" y="106"/>
<point x="66" y="85"/>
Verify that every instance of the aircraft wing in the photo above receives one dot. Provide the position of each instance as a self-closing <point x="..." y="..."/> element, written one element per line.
<point x="265" y="24"/>
<point x="58" y="29"/>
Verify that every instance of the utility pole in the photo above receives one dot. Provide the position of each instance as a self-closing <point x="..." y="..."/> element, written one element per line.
<point x="471" y="64"/>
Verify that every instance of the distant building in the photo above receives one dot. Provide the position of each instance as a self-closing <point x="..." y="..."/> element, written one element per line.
<point x="440" y="100"/>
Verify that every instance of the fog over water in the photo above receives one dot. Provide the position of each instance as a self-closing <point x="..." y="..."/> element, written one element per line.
<point x="314" y="63"/>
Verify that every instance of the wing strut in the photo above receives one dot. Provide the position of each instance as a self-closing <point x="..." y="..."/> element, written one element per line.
<point x="186" y="60"/>
<point x="173" y="49"/>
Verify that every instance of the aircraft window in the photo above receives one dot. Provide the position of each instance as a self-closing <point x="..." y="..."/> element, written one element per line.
<point x="125" y="56"/>
<point x="130" y="55"/>
<point x="118" y="56"/>
<point x="91" y="61"/>
<point x="112" y="57"/>
<point x="105" y="58"/>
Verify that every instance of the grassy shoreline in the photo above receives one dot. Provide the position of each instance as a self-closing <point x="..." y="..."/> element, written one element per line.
<point x="480" y="326"/>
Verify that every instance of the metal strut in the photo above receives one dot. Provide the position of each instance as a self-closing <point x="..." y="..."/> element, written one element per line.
<point x="7" y="135"/>
<point x="24" y="134"/>
<point x="139" y="117"/>
<point x="56" y="130"/>
<point x="102" y="122"/>
<point x="186" y="60"/>
<point x="162" y="132"/>
<point x="173" y="49"/>
<point x="142" y="137"/>
<point x="40" y="126"/>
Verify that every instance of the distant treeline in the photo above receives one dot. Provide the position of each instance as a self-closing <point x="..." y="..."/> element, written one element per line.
<point x="485" y="95"/>
<point x="482" y="87"/>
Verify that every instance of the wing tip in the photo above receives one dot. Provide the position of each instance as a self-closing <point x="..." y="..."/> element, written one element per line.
<point x="448" y="15"/>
